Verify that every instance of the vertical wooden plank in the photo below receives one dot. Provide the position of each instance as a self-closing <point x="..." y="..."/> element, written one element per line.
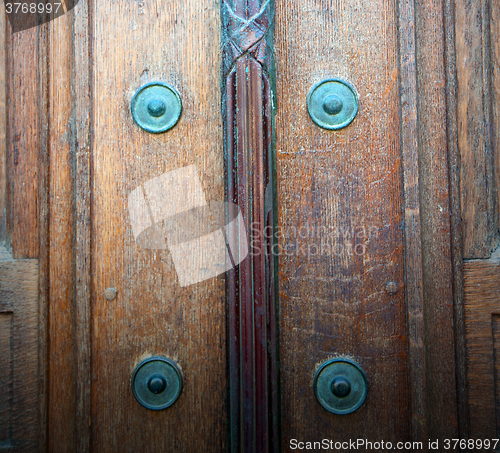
<point x="248" y="121"/>
<point x="3" y="122"/>
<point x="23" y="142"/>
<point x="475" y="128"/>
<point x="340" y="216"/>
<point x="495" y="94"/>
<point x="412" y="229"/>
<point x="43" y="233"/>
<point x="6" y="365"/>
<point x="438" y="275"/>
<point x="495" y="327"/>
<point x="82" y="202"/>
<point x="61" y="310"/>
<point x="19" y="304"/>
<point x="133" y="43"/>
<point x="482" y="294"/>
<point x="455" y="217"/>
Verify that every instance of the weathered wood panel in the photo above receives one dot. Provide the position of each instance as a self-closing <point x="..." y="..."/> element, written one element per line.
<point x="19" y="342"/>
<point x="476" y="98"/>
<point x="341" y="218"/>
<point x="495" y="94"/>
<point x="82" y="201"/>
<point x="23" y="141"/>
<point x="3" y="122"/>
<point x="482" y="308"/>
<point x="435" y="214"/>
<point x="133" y="43"/>
<point x="412" y="227"/>
<point x="61" y="308"/>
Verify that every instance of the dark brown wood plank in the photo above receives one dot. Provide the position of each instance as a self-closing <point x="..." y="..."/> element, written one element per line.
<point x="342" y="188"/>
<point x="61" y="310"/>
<point x="82" y="202"/>
<point x="133" y="43"/>
<point x="482" y="303"/>
<point x="6" y="365"/>
<point x="475" y="131"/>
<point x="495" y="94"/>
<point x="250" y="184"/>
<point x="19" y="311"/>
<point x="412" y="229"/>
<point x="23" y="142"/>
<point x="3" y="122"/>
<point x="456" y="217"/>
<point x="435" y="213"/>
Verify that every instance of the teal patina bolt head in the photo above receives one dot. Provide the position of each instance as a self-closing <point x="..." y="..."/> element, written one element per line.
<point x="340" y="386"/>
<point x="157" y="383"/>
<point x="156" y="107"/>
<point x="332" y="104"/>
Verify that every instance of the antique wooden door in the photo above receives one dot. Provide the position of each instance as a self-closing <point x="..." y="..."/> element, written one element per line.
<point x="171" y="197"/>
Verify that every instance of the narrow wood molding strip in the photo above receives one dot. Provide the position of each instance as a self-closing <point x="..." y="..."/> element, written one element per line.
<point x="248" y="117"/>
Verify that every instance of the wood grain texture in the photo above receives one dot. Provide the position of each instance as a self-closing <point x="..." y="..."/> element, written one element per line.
<point x="495" y="95"/>
<point x="6" y="384"/>
<point x="475" y="127"/>
<point x="438" y="277"/>
<point x="133" y="43"/>
<point x="61" y="308"/>
<point x="248" y="121"/>
<point x="482" y="308"/>
<point x="23" y="141"/>
<point x="3" y="122"/>
<point x="19" y="311"/>
<point x="455" y="217"/>
<point x="341" y="218"/>
<point x="82" y="143"/>
<point x="412" y="228"/>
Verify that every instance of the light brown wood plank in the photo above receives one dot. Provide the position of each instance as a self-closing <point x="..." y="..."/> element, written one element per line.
<point x="19" y="298"/>
<point x="61" y="310"/>
<point x="3" y="122"/>
<point x="23" y="142"/>
<point x="136" y="42"/>
<point x="439" y="335"/>
<point x="482" y="304"/>
<point x="350" y="181"/>
<point x="478" y="188"/>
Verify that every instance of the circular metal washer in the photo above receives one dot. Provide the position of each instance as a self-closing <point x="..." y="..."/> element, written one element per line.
<point x="353" y="388"/>
<point x="332" y="104"/>
<point x="157" y="383"/>
<point x="156" y="107"/>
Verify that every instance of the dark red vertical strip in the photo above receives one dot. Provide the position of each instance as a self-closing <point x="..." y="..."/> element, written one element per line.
<point x="253" y="369"/>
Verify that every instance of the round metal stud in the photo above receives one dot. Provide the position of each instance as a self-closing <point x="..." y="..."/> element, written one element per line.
<point x="157" y="383"/>
<point x="340" y="386"/>
<point x="332" y="104"/>
<point x="156" y="107"/>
